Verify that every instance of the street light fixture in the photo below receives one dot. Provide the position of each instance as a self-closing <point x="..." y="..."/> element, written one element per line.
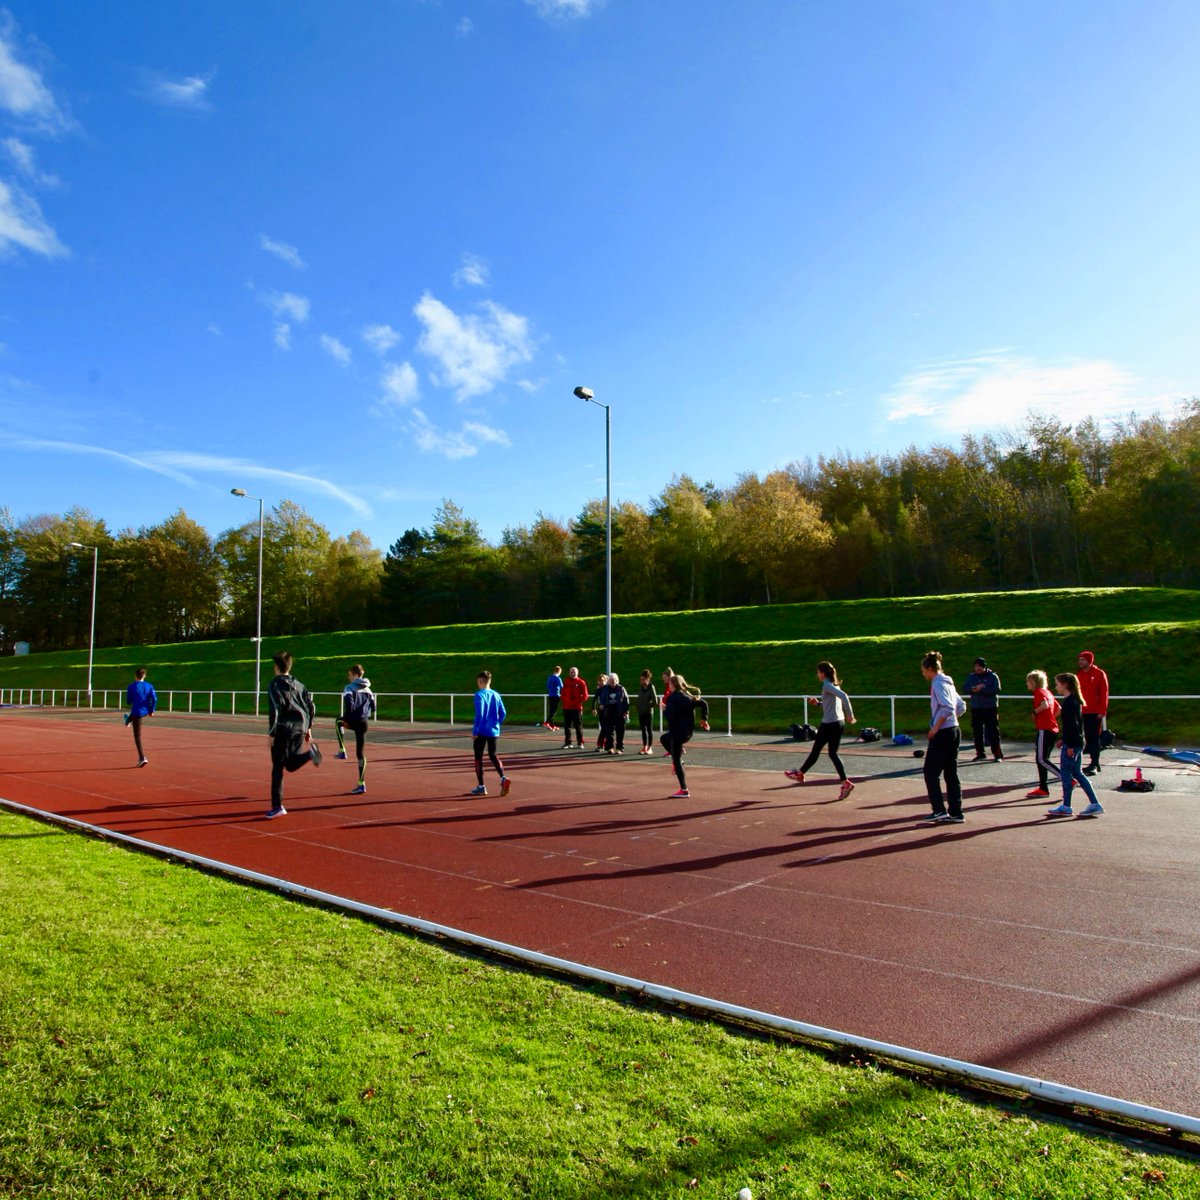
<point x="92" y="635"/>
<point x="586" y="394"/>
<point x="258" y="626"/>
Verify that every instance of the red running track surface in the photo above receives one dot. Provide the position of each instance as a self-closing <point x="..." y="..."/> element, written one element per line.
<point x="1063" y="950"/>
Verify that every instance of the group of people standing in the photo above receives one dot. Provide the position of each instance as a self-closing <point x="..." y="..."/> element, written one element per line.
<point x="612" y="705"/>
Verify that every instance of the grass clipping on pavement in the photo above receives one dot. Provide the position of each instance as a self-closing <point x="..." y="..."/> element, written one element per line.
<point x="165" y="1033"/>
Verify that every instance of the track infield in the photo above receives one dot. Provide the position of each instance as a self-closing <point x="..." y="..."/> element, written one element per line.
<point x="1064" y="950"/>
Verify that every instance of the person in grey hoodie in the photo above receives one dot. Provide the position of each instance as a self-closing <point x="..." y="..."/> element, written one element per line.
<point x="614" y="701"/>
<point x="358" y="707"/>
<point x="836" y="710"/>
<point x="292" y="712"/>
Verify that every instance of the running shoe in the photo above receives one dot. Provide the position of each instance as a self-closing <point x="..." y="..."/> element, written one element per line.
<point x="936" y="818"/>
<point x="795" y="776"/>
<point x="341" y="754"/>
<point x="951" y="819"/>
<point x="997" y="757"/>
<point x="276" y="812"/>
<point x="315" y="750"/>
<point x="1038" y="793"/>
<point x="682" y="794"/>
<point x="1092" y="770"/>
<point x="143" y="762"/>
<point x="980" y="758"/>
<point x="1060" y="810"/>
<point x="846" y="788"/>
<point x="479" y="791"/>
<point x="358" y="791"/>
<point x="505" y="786"/>
<point x="1093" y="810"/>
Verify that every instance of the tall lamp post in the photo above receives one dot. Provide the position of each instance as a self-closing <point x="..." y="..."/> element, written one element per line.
<point x="92" y="635"/>
<point x="258" y="625"/>
<point x="586" y="394"/>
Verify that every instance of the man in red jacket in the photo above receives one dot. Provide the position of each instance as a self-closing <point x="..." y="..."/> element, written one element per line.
<point x="1093" y="691"/>
<point x="574" y="696"/>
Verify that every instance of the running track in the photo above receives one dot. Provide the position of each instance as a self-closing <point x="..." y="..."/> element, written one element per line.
<point x="1062" y="950"/>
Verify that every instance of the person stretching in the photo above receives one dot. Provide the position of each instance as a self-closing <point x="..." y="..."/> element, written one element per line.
<point x="835" y="712"/>
<point x="489" y="716"/>
<point x="143" y="700"/>
<point x="554" y="687"/>
<point x="358" y="707"/>
<point x="680" y="716"/>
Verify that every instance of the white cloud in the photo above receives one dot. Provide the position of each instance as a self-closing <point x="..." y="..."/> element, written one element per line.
<point x="25" y="443"/>
<point x="472" y="273"/>
<point x="558" y="9"/>
<point x="22" y="224"/>
<point x="23" y="93"/>
<point x="281" y="250"/>
<point x="464" y="443"/>
<point x="998" y="388"/>
<point x="214" y="329"/>
<point x="190" y="93"/>
<point x="22" y="156"/>
<point x="381" y="338"/>
<point x="400" y="386"/>
<point x="474" y="352"/>
<point x="283" y="335"/>
<point x="240" y="467"/>
<point x="465" y="27"/>
<point x="338" y="351"/>
<point x="288" y="304"/>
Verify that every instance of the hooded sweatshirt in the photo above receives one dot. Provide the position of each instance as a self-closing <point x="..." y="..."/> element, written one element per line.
<point x="1093" y="685"/>
<point x="358" y="701"/>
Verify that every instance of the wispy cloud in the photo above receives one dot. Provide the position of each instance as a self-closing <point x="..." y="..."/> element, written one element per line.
<point x="283" y="251"/>
<point x="23" y="91"/>
<point x="381" y="338"/>
<point x="564" y="9"/>
<point x="23" y="225"/>
<point x="282" y="337"/>
<point x="474" y="352"/>
<point x="465" y="27"/>
<point x="462" y="443"/>
<point x="472" y="273"/>
<point x="400" y="386"/>
<point x="999" y="388"/>
<point x="336" y="350"/>
<point x="189" y="93"/>
<point x="288" y="304"/>
<point x="28" y="443"/>
<point x="240" y="468"/>
<point x="23" y="159"/>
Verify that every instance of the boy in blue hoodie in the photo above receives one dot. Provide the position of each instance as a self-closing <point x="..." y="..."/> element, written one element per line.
<point x="489" y="716"/>
<point x="142" y="702"/>
<point x="358" y="707"/>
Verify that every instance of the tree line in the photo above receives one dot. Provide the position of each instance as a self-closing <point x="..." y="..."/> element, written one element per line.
<point x="1048" y="505"/>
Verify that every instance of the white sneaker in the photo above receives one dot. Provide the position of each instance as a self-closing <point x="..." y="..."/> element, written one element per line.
<point x="1093" y="810"/>
<point x="1060" y="810"/>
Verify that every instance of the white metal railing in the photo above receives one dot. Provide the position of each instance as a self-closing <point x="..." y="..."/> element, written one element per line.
<point x="232" y="702"/>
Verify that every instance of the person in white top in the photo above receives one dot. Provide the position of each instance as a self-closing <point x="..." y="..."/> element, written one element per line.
<point x="835" y="712"/>
<point x="941" y="759"/>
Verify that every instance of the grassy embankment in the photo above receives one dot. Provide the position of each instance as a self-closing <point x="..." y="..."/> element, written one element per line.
<point x="1147" y="638"/>
<point x="164" y="1033"/>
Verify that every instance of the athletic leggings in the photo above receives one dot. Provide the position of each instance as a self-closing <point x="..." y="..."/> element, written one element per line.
<point x="829" y="734"/>
<point x="360" y="737"/>
<point x="490" y="743"/>
<point x="675" y="745"/>
<point x="135" y="723"/>
<point x="646" y="720"/>
<point x="551" y="709"/>
<point x="289" y="752"/>
<point x="572" y="719"/>
<point x="1043" y="746"/>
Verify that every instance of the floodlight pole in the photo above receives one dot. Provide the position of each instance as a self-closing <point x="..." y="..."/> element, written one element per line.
<point x="92" y="634"/>
<point x="258" y="626"/>
<point x="586" y="394"/>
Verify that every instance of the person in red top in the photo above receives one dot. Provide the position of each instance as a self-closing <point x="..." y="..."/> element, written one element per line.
<point x="1093" y="691"/>
<point x="574" y="697"/>
<point x="1045" y="724"/>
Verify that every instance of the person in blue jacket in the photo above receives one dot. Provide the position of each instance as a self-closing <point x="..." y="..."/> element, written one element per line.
<point x="983" y="687"/>
<point x="489" y="716"/>
<point x="554" y="684"/>
<point x="142" y="702"/>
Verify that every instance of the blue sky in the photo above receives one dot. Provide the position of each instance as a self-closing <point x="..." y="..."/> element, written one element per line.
<point x="359" y="255"/>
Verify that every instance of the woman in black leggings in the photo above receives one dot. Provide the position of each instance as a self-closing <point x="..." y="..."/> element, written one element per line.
<point x="835" y="712"/>
<point x="679" y="712"/>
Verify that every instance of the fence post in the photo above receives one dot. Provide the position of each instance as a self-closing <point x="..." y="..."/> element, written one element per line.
<point x="892" y="703"/>
<point x="451" y="708"/>
<point x="233" y="704"/>
<point x="210" y="704"/>
<point x="729" y="716"/>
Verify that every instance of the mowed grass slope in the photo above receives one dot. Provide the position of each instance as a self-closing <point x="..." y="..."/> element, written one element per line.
<point x="1148" y="639"/>
<point x="166" y="1033"/>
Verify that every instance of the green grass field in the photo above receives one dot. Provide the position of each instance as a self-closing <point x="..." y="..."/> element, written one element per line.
<point x="165" y="1033"/>
<point x="1148" y="639"/>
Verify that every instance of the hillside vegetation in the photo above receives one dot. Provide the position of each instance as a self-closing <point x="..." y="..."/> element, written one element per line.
<point x="1148" y="639"/>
